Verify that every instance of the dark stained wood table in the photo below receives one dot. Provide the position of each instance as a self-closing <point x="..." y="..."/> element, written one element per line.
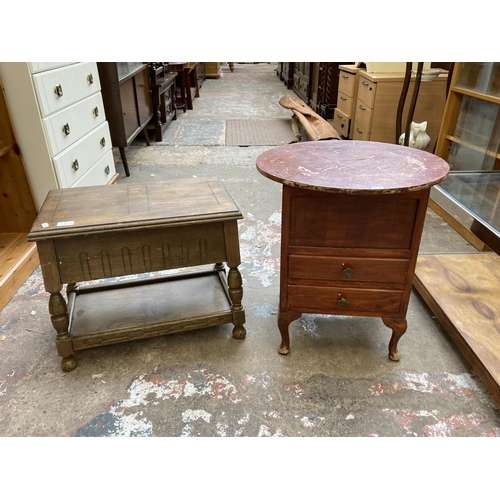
<point x="90" y="233"/>
<point x="352" y="219"/>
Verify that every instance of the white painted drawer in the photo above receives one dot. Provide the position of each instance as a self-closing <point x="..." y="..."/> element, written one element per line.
<point x="101" y="173"/>
<point x="62" y="87"/>
<point x="71" y="124"/>
<point x="36" y="67"/>
<point x="74" y="162"/>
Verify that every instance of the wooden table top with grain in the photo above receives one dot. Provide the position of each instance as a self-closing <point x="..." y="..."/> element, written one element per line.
<point x="118" y="206"/>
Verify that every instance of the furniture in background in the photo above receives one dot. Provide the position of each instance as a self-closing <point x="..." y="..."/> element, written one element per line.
<point x="58" y="113"/>
<point x="463" y="289"/>
<point x="212" y="69"/>
<point x="128" y="103"/>
<point x="285" y="73"/>
<point x="302" y="79"/>
<point x="352" y="219"/>
<point x="200" y="73"/>
<point x="162" y="84"/>
<point x="134" y="229"/>
<point x="186" y="82"/>
<point x="343" y="115"/>
<point x="377" y="102"/>
<point x="18" y="257"/>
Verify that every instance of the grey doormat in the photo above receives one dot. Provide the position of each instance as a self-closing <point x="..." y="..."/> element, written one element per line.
<point x="267" y="132"/>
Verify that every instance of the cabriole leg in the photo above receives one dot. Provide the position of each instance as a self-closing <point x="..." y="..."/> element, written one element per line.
<point x="398" y="327"/>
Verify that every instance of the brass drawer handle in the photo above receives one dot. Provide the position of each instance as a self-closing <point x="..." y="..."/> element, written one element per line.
<point x="107" y="170"/>
<point x="348" y="272"/>
<point x="103" y="142"/>
<point x="66" y="129"/>
<point x="343" y="302"/>
<point x="75" y="165"/>
<point x="90" y="78"/>
<point x="96" y="111"/>
<point x="58" y="90"/>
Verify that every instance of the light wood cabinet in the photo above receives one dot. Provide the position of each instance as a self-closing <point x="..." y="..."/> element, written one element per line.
<point x="60" y="121"/>
<point x="377" y="102"/>
<point x="343" y="115"/>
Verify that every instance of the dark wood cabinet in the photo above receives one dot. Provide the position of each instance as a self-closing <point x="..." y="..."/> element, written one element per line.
<point x="301" y="80"/>
<point x="285" y="72"/>
<point x="127" y="101"/>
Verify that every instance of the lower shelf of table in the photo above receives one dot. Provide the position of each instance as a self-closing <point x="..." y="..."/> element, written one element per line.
<point x="120" y="312"/>
<point x="463" y="291"/>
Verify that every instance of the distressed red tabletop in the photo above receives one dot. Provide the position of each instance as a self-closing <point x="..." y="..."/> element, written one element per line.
<point x="361" y="167"/>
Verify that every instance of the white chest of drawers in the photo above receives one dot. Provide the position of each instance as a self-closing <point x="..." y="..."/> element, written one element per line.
<point x="59" y="117"/>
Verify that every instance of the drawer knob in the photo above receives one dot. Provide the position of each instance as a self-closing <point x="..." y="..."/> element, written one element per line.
<point x="343" y="302"/>
<point x="107" y="170"/>
<point x="58" y="90"/>
<point x="90" y="78"/>
<point x="66" y="129"/>
<point x="96" y="111"/>
<point x="75" y="165"/>
<point x="348" y="272"/>
<point x="103" y="142"/>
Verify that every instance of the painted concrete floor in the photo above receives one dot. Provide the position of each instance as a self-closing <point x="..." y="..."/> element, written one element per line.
<point x="337" y="381"/>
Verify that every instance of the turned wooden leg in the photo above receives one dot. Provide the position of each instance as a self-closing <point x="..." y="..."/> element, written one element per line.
<point x="398" y="327"/>
<point x="60" y="321"/>
<point x="284" y="320"/>
<point x="234" y="283"/>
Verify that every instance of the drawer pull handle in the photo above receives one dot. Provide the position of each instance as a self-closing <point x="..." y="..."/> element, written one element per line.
<point x="90" y="78"/>
<point x="103" y="142"/>
<point x="343" y="302"/>
<point x="362" y="108"/>
<point x="348" y="272"/>
<point x="365" y="84"/>
<point x="339" y="116"/>
<point x="96" y="111"/>
<point x="343" y="98"/>
<point x="358" y="130"/>
<point x="107" y="170"/>
<point x="58" y="90"/>
<point x="345" y="77"/>
<point x="66" y="129"/>
<point x="75" y="165"/>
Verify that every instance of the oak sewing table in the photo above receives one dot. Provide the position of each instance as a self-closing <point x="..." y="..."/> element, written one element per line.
<point x="352" y="219"/>
<point x="102" y="232"/>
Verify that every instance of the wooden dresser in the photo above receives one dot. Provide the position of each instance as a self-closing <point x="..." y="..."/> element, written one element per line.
<point x="377" y="102"/>
<point x="343" y="115"/>
<point x="59" y="117"/>
<point x="352" y="219"/>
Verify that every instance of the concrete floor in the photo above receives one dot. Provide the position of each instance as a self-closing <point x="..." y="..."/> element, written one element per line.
<point x="337" y="380"/>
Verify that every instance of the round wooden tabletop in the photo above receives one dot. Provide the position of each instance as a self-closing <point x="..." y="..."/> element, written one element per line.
<point x="352" y="167"/>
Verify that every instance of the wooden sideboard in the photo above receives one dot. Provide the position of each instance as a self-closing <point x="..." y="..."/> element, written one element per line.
<point x="127" y="100"/>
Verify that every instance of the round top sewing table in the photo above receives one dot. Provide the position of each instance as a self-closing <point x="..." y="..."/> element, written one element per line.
<point x="352" y="220"/>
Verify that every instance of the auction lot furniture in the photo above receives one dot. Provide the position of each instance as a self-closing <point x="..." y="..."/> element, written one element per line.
<point x="87" y="234"/>
<point x="352" y="219"/>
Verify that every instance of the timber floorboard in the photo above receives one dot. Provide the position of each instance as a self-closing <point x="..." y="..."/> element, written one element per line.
<point x="463" y="291"/>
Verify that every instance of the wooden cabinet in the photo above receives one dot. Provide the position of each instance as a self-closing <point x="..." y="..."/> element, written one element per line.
<point x="127" y="100"/>
<point x="187" y="83"/>
<point x="377" y="103"/>
<point x="18" y="257"/>
<point x="343" y="115"/>
<point x="59" y="117"/>
<point x="301" y="80"/>
<point x="285" y="72"/>
<point x="212" y="69"/>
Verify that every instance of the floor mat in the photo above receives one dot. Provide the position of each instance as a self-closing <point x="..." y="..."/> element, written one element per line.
<point x="270" y="132"/>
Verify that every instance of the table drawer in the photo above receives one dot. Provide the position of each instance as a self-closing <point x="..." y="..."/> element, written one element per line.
<point x="347" y="83"/>
<point x="339" y="300"/>
<point x="344" y="103"/>
<point x="347" y="269"/>
<point x="367" y="91"/>
<point x="101" y="173"/>
<point x="64" y="86"/>
<point x="359" y="133"/>
<point x="71" y="124"/>
<point x="341" y="122"/>
<point x="79" y="158"/>
<point x="364" y="115"/>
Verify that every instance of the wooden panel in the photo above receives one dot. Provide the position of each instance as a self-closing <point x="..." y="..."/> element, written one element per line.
<point x="346" y="83"/>
<point x="325" y="300"/>
<point x="129" y="110"/>
<point x="463" y="291"/>
<point x="384" y="221"/>
<point x="144" y="102"/>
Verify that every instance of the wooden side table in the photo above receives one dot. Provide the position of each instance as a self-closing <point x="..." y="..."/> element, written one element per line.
<point x="352" y="219"/>
<point x="86" y="234"/>
<point x="187" y="86"/>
